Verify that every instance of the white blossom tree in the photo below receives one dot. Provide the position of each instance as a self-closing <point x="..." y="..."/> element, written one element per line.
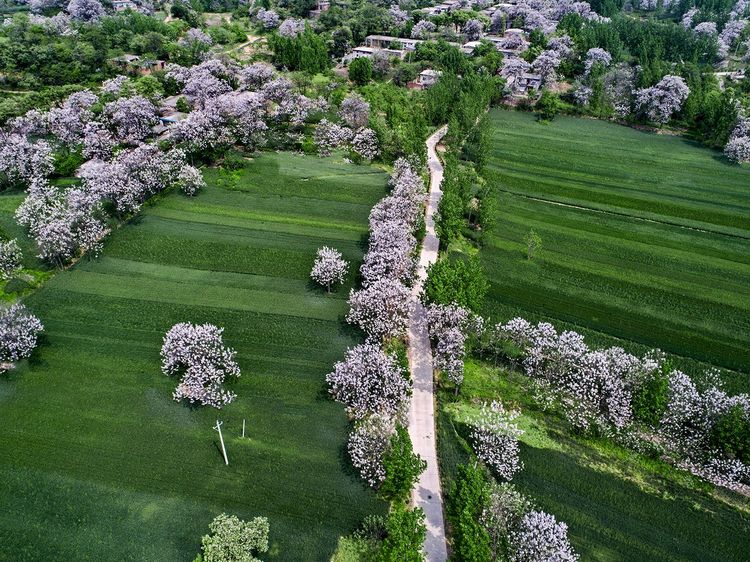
<point x="355" y="111"/>
<point x="196" y="352"/>
<point x="368" y="381"/>
<point x="365" y="143"/>
<point x="329" y="268"/>
<point x="540" y="538"/>
<point x="85" y="10"/>
<point x="596" y="56"/>
<point x="367" y="444"/>
<point x="291" y="27"/>
<point x="495" y="436"/>
<point x="10" y="259"/>
<point x="381" y="309"/>
<point x="330" y="136"/>
<point x="422" y="29"/>
<point x="19" y="330"/>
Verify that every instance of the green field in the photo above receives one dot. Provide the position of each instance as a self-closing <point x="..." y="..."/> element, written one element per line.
<point x="619" y="506"/>
<point x="646" y="237"/>
<point x="99" y="463"/>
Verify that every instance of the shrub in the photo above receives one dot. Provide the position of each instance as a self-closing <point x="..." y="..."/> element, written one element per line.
<point x="650" y="398"/>
<point x="731" y="433"/>
<point x="402" y="467"/>
<point x="233" y="539"/>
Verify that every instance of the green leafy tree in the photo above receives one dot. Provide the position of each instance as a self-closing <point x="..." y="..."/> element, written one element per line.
<point x="731" y="434"/>
<point x="466" y="501"/>
<point x="461" y="281"/>
<point x="405" y="535"/>
<point x="360" y="71"/>
<point x="235" y="540"/>
<point x="402" y="467"/>
<point x="651" y="396"/>
<point x="548" y="106"/>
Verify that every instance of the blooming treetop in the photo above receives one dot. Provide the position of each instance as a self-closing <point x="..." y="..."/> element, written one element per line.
<point x="368" y="381"/>
<point x="197" y="353"/>
<point x="329" y="267"/>
<point x="18" y="333"/>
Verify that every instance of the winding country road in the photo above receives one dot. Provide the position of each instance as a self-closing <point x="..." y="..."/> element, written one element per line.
<point x="427" y="493"/>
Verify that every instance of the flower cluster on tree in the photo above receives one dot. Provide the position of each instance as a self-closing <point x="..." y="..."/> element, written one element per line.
<point x="738" y="147"/>
<point x="448" y="327"/>
<point x="10" y="259"/>
<point x="494" y="437"/>
<point x="196" y="352"/>
<point x="540" y="538"/>
<point x="663" y="100"/>
<point x="329" y="268"/>
<point x="19" y="330"/>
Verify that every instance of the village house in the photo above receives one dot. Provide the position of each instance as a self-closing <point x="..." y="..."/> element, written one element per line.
<point x="526" y="84"/>
<point x="425" y="80"/>
<point x="137" y="65"/>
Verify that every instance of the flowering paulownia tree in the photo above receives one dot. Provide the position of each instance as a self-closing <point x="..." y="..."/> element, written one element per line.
<point x="540" y="538"/>
<point x="367" y="444"/>
<point x="10" y="259"/>
<point x="329" y="267"/>
<point x="495" y="439"/>
<point x="355" y="111"/>
<point x="447" y="326"/>
<point x="368" y="381"/>
<point x="19" y="330"/>
<point x="422" y="29"/>
<point x="197" y="353"/>
<point x="381" y="309"/>
<point x="738" y="147"/>
<point x="665" y="99"/>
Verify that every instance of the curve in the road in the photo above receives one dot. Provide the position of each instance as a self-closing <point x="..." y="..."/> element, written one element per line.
<point x="427" y="493"/>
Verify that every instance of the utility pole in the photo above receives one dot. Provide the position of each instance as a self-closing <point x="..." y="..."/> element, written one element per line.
<point x="243" y="428"/>
<point x="221" y="438"/>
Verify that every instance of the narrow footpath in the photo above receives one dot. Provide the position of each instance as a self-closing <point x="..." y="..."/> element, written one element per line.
<point x="427" y="493"/>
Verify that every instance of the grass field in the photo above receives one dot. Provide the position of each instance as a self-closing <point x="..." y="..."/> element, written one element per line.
<point x="645" y="237"/>
<point x="99" y="463"/>
<point x="618" y="505"/>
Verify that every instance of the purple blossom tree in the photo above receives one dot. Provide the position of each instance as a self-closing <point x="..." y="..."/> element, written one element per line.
<point x="10" y="259"/>
<point x="253" y="77"/>
<point x="688" y="17"/>
<point x="355" y="111"/>
<point x="381" y="309"/>
<point x="195" y="37"/>
<point x="190" y="180"/>
<point x="268" y="18"/>
<point x="114" y="86"/>
<point x="514" y="67"/>
<point x="665" y="99"/>
<point x="494" y="437"/>
<point x="546" y="65"/>
<point x="330" y="136"/>
<point x="68" y="121"/>
<point x="422" y="29"/>
<point x="540" y="538"/>
<point x="196" y="352"/>
<point x="596" y="56"/>
<point x="473" y="29"/>
<point x="85" y="10"/>
<point x="291" y="27"/>
<point x="706" y="28"/>
<point x="131" y="118"/>
<point x="329" y="268"/>
<point x="365" y="143"/>
<point x="398" y="16"/>
<point x="390" y="253"/>
<point x="367" y="444"/>
<point x="448" y="326"/>
<point x="22" y="161"/>
<point x="98" y="142"/>
<point x="19" y="330"/>
<point x="368" y="381"/>
<point x="738" y="147"/>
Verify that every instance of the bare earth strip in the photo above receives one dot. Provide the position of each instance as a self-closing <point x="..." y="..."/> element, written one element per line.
<point x="427" y="493"/>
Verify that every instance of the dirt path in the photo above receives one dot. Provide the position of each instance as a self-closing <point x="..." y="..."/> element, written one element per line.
<point x="427" y="493"/>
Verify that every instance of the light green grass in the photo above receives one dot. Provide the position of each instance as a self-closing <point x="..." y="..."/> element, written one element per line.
<point x="99" y="463"/>
<point x="618" y="505"/>
<point x="646" y="238"/>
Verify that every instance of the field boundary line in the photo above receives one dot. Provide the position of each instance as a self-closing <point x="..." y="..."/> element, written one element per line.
<point x="616" y="214"/>
<point x="427" y="493"/>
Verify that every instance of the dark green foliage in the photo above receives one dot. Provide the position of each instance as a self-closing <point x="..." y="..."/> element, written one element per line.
<point x="476" y="147"/>
<point x="406" y="533"/>
<point x="67" y="162"/>
<point x="402" y="467"/>
<point x="466" y="500"/>
<point x="548" y="106"/>
<point x="731" y="434"/>
<point x="456" y="280"/>
<point x="182" y="105"/>
<point x="651" y="397"/>
<point x="360" y="71"/>
<point x="306" y="52"/>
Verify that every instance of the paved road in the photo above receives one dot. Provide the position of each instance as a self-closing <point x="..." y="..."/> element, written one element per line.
<point x="427" y="493"/>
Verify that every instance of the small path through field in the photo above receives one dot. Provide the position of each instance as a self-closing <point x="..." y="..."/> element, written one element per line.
<point x="427" y="493"/>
